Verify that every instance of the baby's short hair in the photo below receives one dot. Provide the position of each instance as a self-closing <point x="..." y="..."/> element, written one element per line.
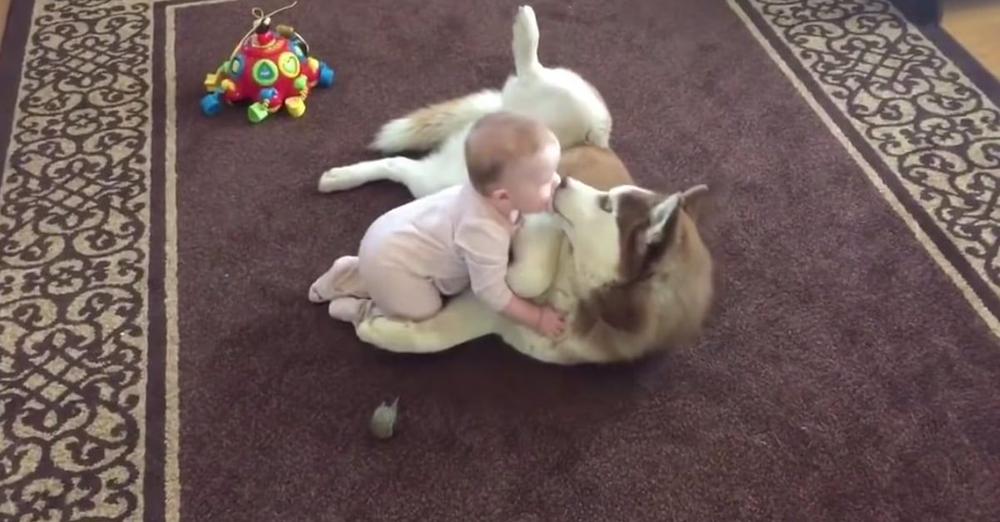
<point x="498" y="139"/>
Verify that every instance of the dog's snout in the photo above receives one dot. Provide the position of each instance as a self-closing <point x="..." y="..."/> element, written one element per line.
<point x="563" y="180"/>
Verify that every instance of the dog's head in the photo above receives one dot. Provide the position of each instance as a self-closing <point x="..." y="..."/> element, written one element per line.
<point x="627" y="233"/>
<point x="637" y="252"/>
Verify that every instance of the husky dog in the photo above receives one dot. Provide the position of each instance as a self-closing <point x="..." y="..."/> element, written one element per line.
<point x="625" y="264"/>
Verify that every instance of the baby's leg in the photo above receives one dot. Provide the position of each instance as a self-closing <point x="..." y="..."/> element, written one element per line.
<point x="342" y="279"/>
<point x="389" y="292"/>
<point x="348" y="309"/>
<point x="399" y="294"/>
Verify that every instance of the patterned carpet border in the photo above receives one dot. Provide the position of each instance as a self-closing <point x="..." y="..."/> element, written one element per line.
<point x="74" y="224"/>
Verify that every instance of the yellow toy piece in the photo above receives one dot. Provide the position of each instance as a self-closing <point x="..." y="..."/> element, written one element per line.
<point x="296" y="106"/>
<point x="211" y="82"/>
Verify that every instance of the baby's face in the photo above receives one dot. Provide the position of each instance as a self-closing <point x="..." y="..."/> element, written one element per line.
<point x="532" y="181"/>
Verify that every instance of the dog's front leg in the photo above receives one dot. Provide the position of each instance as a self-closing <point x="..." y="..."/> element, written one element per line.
<point x="535" y="252"/>
<point x="462" y="319"/>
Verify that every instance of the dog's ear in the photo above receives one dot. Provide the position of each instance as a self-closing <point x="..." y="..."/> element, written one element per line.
<point x="695" y="201"/>
<point x="662" y="222"/>
<point x="651" y="239"/>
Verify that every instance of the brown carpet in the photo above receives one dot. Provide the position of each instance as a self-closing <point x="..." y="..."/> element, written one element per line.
<point x="851" y="370"/>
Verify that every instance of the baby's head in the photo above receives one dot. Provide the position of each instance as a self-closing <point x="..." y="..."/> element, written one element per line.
<point x="512" y="161"/>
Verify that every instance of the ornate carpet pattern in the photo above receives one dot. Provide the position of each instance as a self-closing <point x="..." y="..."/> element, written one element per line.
<point x="935" y="133"/>
<point x="74" y="266"/>
<point x="132" y="300"/>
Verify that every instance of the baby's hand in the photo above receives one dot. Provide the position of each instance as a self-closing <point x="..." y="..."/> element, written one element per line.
<point x="550" y="323"/>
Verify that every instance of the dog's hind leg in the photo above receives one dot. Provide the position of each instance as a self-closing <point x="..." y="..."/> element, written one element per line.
<point x="441" y="169"/>
<point x="412" y="173"/>
<point x="570" y="106"/>
<point x="396" y="168"/>
<point x="525" y="43"/>
<point x="462" y="319"/>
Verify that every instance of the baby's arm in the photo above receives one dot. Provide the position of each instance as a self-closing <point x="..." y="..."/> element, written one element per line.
<point x="542" y="319"/>
<point x="485" y="246"/>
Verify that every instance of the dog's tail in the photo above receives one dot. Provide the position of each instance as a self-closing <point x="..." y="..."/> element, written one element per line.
<point x="425" y="128"/>
<point x="525" y="43"/>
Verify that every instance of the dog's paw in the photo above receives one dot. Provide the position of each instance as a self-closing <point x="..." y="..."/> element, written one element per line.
<point x="366" y="332"/>
<point x="388" y="334"/>
<point x="338" y="178"/>
<point x="525" y="25"/>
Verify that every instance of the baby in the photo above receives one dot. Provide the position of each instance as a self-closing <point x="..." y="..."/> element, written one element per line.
<point x="456" y="238"/>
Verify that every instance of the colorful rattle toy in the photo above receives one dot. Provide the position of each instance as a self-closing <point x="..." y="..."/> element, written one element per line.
<point x="268" y="68"/>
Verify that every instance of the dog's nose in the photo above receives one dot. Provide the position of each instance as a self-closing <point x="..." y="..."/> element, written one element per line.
<point x="563" y="181"/>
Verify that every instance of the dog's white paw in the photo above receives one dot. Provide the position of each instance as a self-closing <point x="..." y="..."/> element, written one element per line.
<point x="366" y="332"/>
<point x="525" y="26"/>
<point x="386" y="333"/>
<point x="339" y="178"/>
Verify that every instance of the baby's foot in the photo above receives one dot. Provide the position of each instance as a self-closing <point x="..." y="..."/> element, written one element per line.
<point x="324" y="288"/>
<point x="341" y="279"/>
<point x="348" y="309"/>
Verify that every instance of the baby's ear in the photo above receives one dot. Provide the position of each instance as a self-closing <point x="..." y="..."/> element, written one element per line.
<point x="500" y="194"/>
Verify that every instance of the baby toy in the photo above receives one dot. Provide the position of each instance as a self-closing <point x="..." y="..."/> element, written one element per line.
<point x="270" y="69"/>
<point x="384" y="419"/>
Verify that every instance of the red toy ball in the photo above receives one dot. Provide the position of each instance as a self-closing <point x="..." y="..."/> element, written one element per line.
<point x="268" y="69"/>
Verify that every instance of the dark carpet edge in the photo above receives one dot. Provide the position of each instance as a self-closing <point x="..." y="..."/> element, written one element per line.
<point x="15" y="42"/>
<point x="154" y="486"/>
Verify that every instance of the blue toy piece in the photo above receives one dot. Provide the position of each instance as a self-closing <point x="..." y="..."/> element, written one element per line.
<point x="211" y="104"/>
<point x="326" y="75"/>
<point x="266" y="95"/>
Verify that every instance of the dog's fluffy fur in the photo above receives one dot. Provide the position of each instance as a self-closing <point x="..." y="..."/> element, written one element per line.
<point x="627" y="265"/>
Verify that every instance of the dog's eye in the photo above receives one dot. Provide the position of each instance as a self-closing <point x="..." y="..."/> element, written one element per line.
<point x="604" y="202"/>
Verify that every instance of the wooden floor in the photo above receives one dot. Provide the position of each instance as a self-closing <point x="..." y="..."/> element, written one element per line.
<point x="4" y="7"/>
<point x="975" y="24"/>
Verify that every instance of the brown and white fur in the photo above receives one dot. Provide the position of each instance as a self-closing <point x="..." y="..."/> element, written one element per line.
<point x="627" y="265"/>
